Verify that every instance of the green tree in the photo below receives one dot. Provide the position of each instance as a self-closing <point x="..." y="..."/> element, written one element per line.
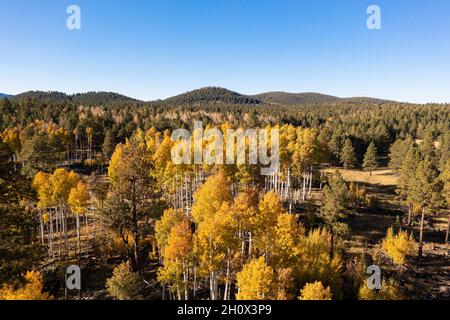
<point x="334" y="206"/>
<point x="425" y="192"/>
<point x="370" y="158"/>
<point x="445" y="179"/>
<point x="19" y="250"/>
<point x="348" y="156"/>
<point x="133" y="196"/>
<point x="407" y="180"/>
<point x="124" y="283"/>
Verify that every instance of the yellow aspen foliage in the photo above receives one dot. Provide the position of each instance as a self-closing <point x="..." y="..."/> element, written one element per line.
<point x="314" y="262"/>
<point x="246" y="208"/>
<point x="113" y="170"/>
<point x="390" y="290"/>
<point x="177" y="257"/>
<point x="214" y="237"/>
<point x="288" y="236"/>
<point x="398" y="246"/>
<point x="163" y="227"/>
<point x="43" y="187"/>
<point x="315" y="291"/>
<point x="79" y="198"/>
<point x="211" y="196"/>
<point x="32" y="290"/>
<point x="179" y="243"/>
<point x="62" y="183"/>
<point x="255" y="281"/>
<point x="269" y="210"/>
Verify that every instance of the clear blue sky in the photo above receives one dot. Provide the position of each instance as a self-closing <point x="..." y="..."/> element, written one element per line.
<point x="152" y="49"/>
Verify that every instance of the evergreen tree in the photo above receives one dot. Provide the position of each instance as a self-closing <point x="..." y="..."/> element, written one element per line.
<point x="370" y="158"/>
<point x="445" y="179"/>
<point x="424" y="192"/>
<point x="334" y="206"/>
<point x="348" y="156"/>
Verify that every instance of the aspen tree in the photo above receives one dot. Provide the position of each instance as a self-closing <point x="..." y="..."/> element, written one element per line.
<point x="255" y="281"/>
<point x="78" y="202"/>
<point x="315" y="291"/>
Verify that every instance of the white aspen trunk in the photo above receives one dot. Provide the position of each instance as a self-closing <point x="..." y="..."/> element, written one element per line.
<point x="78" y="235"/>
<point x="41" y="224"/>
<point x="310" y="180"/>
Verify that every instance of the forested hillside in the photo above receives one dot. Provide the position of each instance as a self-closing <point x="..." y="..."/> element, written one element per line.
<point x="89" y="179"/>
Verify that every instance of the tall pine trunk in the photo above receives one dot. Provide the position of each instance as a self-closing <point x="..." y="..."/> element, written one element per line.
<point x="448" y="229"/>
<point x="422" y="220"/>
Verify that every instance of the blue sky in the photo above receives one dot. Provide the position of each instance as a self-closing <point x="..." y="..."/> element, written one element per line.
<point x="158" y="48"/>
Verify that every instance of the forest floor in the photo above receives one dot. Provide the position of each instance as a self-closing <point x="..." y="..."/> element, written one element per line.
<point x="429" y="279"/>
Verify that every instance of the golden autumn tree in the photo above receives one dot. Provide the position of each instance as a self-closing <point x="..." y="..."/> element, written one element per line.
<point x="398" y="245"/>
<point x="314" y="262"/>
<point x="215" y="245"/>
<point x="164" y="225"/>
<point x="78" y="203"/>
<point x="178" y="259"/>
<point x="246" y="210"/>
<point x="33" y="289"/>
<point x="269" y="210"/>
<point x="315" y="291"/>
<point x="390" y="290"/>
<point x="211" y="196"/>
<point x="255" y="281"/>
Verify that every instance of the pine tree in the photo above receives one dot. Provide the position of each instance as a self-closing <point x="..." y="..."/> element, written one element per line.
<point x="398" y="151"/>
<point x="424" y="192"/>
<point x="334" y="206"/>
<point x="407" y="179"/>
<point x="370" y="158"/>
<point x="348" y="157"/>
<point x="133" y="195"/>
<point x="445" y="179"/>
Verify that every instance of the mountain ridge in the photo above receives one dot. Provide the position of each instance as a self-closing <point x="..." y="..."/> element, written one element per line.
<point x="197" y="96"/>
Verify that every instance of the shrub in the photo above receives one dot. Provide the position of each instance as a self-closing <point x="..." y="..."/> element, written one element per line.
<point x="315" y="291"/>
<point x="398" y="246"/>
<point x="124" y="283"/>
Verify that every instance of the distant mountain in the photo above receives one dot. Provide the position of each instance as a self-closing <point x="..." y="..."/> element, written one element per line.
<point x="212" y="94"/>
<point x="89" y="98"/>
<point x="195" y="97"/>
<point x="286" y="98"/>
<point x="4" y="95"/>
